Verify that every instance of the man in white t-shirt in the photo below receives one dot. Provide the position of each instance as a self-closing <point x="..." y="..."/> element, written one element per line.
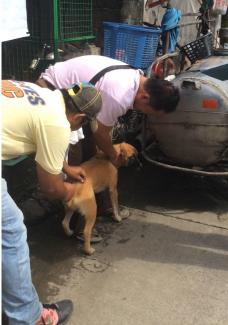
<point x="37" y="120"/>
<point x="121" y="90"/>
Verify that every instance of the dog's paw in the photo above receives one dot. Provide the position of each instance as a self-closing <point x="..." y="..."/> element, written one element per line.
<point x="68" y="232"/>
<point x="89" y="251"/>
<point x="124" y="213"/>
<point x="117" y="217"/>
<point x="66" y="229"/>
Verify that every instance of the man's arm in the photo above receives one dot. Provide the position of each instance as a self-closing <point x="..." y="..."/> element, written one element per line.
<point x="104" y="142"/>
<point x="53" y="186"/>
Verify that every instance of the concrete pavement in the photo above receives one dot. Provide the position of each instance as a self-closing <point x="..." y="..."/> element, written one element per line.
<point x="167" y="264"/>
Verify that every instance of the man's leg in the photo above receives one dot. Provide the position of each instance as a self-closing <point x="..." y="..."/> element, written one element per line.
<point x="19" y="297"/>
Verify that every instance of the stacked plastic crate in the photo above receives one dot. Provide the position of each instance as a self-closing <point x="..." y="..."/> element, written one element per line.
<point x="132" y="44"/>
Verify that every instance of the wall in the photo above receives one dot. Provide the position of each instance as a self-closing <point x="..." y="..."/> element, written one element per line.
<point x="188" y="33"/>
<point x="105" y="10"/>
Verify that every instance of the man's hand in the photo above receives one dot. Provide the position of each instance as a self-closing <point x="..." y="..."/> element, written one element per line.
<point x="117" y="159"/>
<point x="77" y="173"/>
<point x="104" y="142"/>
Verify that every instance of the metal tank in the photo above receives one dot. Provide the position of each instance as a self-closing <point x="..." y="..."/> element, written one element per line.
<point x="196" y="134"/>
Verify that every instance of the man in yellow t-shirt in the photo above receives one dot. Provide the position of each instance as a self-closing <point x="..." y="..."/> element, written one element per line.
<point x="37" y="120"/>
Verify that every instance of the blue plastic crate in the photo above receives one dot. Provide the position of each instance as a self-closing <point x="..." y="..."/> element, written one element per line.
<point x="132" y="44"/>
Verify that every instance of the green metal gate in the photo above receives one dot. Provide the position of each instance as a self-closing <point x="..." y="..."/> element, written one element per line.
<point x="51" y="24"/>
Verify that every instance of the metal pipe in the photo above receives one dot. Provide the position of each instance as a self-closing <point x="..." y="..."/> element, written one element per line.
<point x="56" y="29"/>
<point x="183" y="169"/>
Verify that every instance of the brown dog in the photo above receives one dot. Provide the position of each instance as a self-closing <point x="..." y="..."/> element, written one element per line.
<point x="100" y="174"/>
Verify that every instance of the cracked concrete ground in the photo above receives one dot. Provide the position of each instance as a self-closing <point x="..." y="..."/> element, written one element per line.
<point x="167" y="264"/>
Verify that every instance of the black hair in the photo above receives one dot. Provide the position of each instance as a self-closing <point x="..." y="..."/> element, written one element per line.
<point x="70" y="105"/>
<point x="164" y="96"/>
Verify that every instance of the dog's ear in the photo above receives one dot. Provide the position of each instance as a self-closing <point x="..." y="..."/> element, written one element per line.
<point x="129" y="155"/>
<point x="124" y="155"/>
<point x="128" y="150"/>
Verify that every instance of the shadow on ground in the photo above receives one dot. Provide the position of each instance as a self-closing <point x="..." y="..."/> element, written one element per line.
<point x="153" y="187"/>
<point x="53" y="255"/>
